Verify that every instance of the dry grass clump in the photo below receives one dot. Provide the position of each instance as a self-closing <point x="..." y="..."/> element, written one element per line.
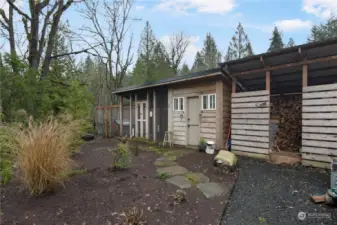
<point x="134" y="216"/>
<point x="43" y="157"/>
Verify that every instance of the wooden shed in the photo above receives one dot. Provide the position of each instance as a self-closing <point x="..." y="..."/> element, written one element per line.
<point x="191" y="106"/>
<point x="286" y="101"/>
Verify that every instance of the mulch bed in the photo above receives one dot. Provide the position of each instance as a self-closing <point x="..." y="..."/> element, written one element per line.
<point x="102" y="195"/>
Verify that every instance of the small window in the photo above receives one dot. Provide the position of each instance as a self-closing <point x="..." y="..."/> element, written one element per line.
<point x="205" y="102"/>
<point x="208" y="102"/>
<point x="178" y="104"/>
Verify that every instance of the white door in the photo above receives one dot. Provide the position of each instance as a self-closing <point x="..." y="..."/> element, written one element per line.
<point x="141" y="119"/>
<point x="193" y="110"/>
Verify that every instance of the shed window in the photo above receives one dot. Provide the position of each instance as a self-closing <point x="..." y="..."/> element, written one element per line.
<point x="178" y="104"/>
<point x="208" y="102"/>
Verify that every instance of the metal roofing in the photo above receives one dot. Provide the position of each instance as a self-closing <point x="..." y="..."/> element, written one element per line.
<point x="285" y="51"/>
<point x="169" y="80"/>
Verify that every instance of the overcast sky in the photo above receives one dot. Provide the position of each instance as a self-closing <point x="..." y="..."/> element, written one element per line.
<point x="220" y="17"/>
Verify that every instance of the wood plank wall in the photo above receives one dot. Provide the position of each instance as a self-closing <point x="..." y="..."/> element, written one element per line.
<point x="319" y="125"/>
<point x="179" y="119"/>
<point x="250" y="122"/>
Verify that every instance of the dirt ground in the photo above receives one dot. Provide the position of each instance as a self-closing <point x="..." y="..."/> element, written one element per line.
<point x="101" y="195"/>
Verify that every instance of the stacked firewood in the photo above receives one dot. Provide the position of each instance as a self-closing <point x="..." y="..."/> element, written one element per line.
<point x="288" y="112"/>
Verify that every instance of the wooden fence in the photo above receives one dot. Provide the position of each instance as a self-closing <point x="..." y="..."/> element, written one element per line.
<point x="250" y="123"/>
<point x="319" y="125"/>
<point x="107" y="120"/>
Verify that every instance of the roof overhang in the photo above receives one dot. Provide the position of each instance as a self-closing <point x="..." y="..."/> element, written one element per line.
<point x="175" y="80"/>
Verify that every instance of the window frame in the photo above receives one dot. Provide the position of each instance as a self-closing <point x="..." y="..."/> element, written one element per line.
<point x="208" y="96"/>
<point x="183" y="104"/>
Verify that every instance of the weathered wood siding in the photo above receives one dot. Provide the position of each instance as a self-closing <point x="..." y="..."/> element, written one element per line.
<point x="319" y="125"/>
<point x="179" y="119"/>
<point x="250" y="122"/>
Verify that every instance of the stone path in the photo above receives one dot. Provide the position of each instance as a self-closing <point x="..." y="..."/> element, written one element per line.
<point x="182" y="178"/>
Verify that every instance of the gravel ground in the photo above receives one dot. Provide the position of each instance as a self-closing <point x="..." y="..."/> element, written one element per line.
<point x="269" y="194"/>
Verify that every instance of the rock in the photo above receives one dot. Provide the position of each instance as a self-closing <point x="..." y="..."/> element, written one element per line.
<point x="195" y="178"/>
<point x="88" y="137"/>
<point x="211" y="190"/>
<point x="172" y="170"/>
<point x="179" y="181"/>
<point x="226" y="157"/>
<point x="165" y="163"/>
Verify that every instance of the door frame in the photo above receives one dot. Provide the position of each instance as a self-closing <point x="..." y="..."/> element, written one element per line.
<point x="141" y="119"/>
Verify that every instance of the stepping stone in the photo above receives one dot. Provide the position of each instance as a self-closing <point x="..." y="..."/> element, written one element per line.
<point x="172" y="170"/>
<point x="211" y="190"/>
<point x="165" y="163"/>
<point x="179" y="181"/>
<point x="167" y="158"/>
<point x="197" y="178"/>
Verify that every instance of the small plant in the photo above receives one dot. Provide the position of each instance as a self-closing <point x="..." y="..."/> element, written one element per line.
<point x="43" y="155"/>
<point x="162" y="176"/>
<point x="134" y="217"/>
<point x="202" y="145"/>
<point x="77" y="172"/>
<point x="7" y="146"/>
<point x="180" y="196"/>
<point x="122" y="158"/>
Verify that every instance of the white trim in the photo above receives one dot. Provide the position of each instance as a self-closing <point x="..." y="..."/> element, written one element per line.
<point x="178" y="99"/>
<point x="208" y="101"/>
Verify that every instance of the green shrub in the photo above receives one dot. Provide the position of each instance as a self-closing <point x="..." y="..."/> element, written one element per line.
<point x="162" y="176"/>
<point x="7" y="146"/>
<point x="122" y="158"/>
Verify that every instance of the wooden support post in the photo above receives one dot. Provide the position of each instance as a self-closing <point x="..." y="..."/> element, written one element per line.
<point x="234" y="85"/>
<point x="268" y="81"/>
<point x="304" y="75"/>
<point x="219" y="115"/>
<point x="106" y="121"/>
<point x="147" y="133"/>
<point x="136" y="116"/>
<point x="121" y="116"/>
<point x="130" y="122"/>
<point x="154" y="117"/>
<point x="110" y="121"/>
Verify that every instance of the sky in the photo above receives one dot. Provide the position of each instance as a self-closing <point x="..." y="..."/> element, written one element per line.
<point x="220" y="17"/>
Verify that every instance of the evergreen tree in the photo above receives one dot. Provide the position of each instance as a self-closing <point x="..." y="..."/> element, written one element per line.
<point x="210" y="52"/>
<point x="291" y="43"/>
<point x="325" y="31"/>
<point x="198" y="64"/>
<point x="147" y="45"/>
<point x="162" y="68"/>
<point x="240" y="46"/>
<point x="184" y="69"/>
<point x="276" y="42"/>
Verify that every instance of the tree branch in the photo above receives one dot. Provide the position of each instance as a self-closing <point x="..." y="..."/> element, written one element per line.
<point x="74" y="53"/>
<point x="10" y="2"/>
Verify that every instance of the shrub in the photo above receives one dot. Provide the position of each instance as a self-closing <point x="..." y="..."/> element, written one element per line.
<point x="122" y="159"/>
<point x="77" y="128"/>
<point x="7" y="146"/>
<point x="43" y="157"/>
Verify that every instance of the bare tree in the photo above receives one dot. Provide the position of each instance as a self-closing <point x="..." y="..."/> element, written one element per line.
<point x="176" y="50"/>
<point x="40" y="23"/>
<point x="111" y="31"/>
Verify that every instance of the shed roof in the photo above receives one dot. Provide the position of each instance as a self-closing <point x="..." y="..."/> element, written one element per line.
<point x="286" y="67"/>
<point x="170" y="80"/>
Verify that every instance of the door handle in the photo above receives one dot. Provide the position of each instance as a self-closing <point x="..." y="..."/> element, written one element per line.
<point x="188" y="125"/>
<point x="188" y="119"/>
